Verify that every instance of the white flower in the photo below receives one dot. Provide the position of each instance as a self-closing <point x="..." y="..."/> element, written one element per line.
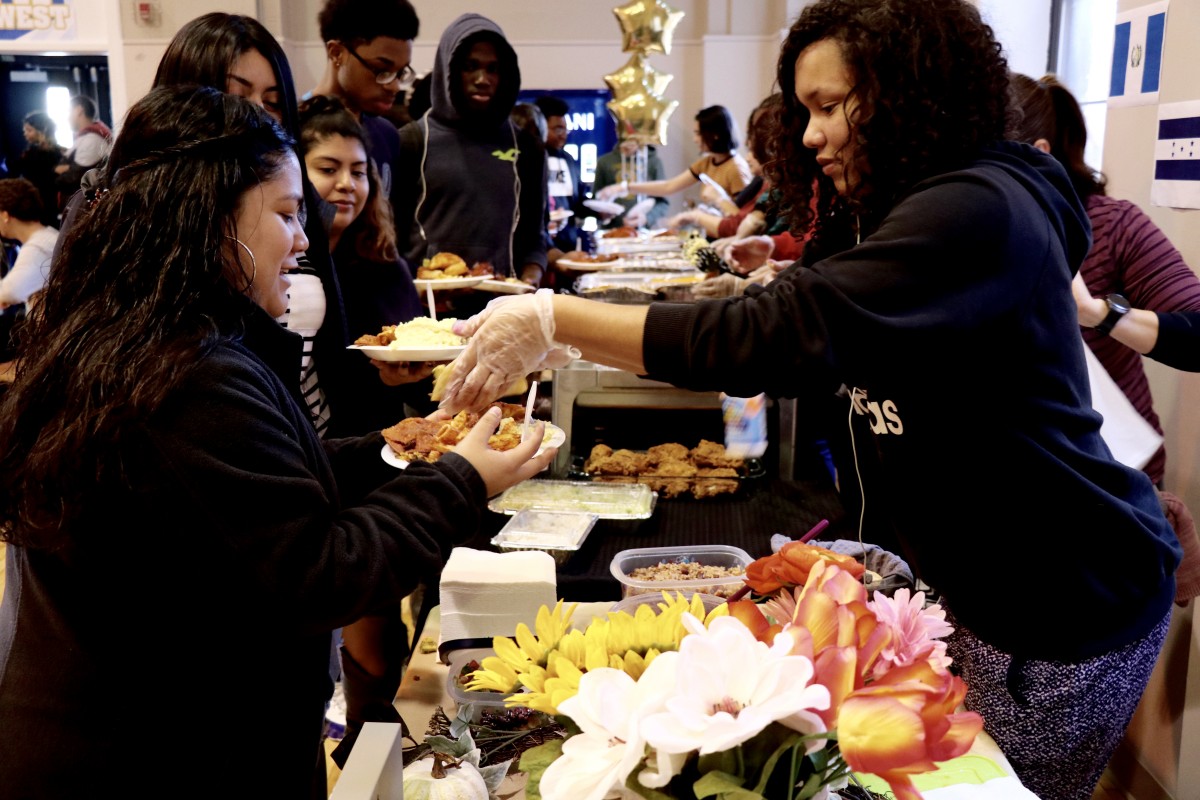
<point x="609" y="709"/>
<point x="729" y="686"/>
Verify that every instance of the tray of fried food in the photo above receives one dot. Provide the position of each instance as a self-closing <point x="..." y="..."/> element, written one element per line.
<point x="673" y="469"/>
<point x="641" y="286"/>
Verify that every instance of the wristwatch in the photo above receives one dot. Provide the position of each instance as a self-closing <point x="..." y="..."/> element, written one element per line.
<point x="1118" y="307"/>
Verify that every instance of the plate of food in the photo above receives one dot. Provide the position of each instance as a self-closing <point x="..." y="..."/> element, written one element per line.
<point x="506" y="286"/>
<point x="419" y="339"/>
<point x="448" y="271"/>
<point x="377" y="353"/>
<point x="423" y="439"/>
<point x="624" y="232"/>
<point x="582" y="261"/>
<point x="604" y="206"/>
<point x="441" y="284"/>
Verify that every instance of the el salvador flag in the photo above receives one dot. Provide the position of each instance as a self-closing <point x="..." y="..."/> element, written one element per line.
<point x="1138" y="55"/>
<point x="1177" y="156"/>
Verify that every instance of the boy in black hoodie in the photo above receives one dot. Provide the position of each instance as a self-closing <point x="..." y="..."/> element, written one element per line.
<point x="475" y="185"/>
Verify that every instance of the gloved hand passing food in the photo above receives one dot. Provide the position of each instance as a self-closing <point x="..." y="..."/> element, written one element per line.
<point x="510" y="338"/>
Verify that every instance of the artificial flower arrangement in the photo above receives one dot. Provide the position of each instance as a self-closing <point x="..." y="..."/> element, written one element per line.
<point x="781" y="698"/>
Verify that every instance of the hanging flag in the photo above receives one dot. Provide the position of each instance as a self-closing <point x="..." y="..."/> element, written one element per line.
<point x="1177" y="156"/>
<point x="1138" y="55"/>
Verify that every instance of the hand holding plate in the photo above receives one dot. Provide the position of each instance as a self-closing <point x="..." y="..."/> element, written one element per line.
<point x="502" y="469"/>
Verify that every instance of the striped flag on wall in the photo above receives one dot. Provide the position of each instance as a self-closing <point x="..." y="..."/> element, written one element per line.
<point x="1177" y="156"/>
<point x="1138" y="55"/>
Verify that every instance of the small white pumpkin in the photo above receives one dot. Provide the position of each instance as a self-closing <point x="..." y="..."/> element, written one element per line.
<point x="457" y="781"/>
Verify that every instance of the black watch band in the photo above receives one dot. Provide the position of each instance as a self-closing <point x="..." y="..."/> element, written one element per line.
<point x="1118" y="307"/>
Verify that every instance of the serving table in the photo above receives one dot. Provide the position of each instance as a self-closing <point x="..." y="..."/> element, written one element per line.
<point x="746" y="519"/>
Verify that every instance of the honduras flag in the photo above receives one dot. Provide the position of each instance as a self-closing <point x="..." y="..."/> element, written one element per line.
<point x="1138" y="56"/>
<point x="1177" y="156"/>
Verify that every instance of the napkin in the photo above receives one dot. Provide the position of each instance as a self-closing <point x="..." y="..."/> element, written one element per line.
<point x="486" y="594"/>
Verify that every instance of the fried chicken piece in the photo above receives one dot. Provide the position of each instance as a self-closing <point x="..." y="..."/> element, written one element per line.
<point x="667" y="452"/>
<point x="716" y="472"/>
<point x="712" y="454"/>
<point x="622" y="462"/>
<point x="386" y="335"/>
<point x="507" y="436"/>
<point x="616" y="479"/>
<point x="707" y="487"/>
<point x="674" y="469"/>
<point x="599" y="452"/>
<point x="667" y="487"/>
<point x="514" y="411"/>
<point x="405" y="432"/>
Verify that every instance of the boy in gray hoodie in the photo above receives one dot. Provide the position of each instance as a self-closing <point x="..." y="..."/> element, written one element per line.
<point x="474" y="184"/>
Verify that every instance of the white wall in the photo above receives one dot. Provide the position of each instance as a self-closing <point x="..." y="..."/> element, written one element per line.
<point x="1023" y="28"/>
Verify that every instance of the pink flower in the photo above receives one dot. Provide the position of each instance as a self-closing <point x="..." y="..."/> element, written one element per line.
<point x="915" y="631"/>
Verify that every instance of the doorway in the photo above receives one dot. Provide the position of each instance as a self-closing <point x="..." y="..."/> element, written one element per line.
<point x="25" y="84"/>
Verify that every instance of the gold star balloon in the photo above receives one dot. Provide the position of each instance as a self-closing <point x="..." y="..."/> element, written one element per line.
<point x="637" y="76"/>
<point x="643" y="117"/>
<point x="647" y="26"/>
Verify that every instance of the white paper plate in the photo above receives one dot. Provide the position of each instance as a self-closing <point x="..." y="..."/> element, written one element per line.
<point x="555" y="436"/>
<point x="505" y="287"/>
<point x="590" y="266"/>
<point x="604" y="206"/>
<point x="450" y="283"/>
<point x="381" y="353"/>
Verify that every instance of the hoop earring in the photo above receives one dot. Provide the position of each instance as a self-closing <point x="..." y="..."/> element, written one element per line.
<point x="249" y="252"/>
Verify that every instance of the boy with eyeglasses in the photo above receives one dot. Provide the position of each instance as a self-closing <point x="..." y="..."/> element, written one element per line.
<point x="368" y="47"/>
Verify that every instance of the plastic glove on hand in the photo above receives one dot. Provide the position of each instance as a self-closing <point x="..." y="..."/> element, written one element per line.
<point x="609" y="193"/>
<point x="724" y="285"/>
<point x="510" y="338"/>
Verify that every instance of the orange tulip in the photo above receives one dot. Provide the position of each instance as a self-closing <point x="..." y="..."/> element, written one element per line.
<point x="903" y="723"/>
<point x="792" y="565"/>
<point x="748" y="613"/>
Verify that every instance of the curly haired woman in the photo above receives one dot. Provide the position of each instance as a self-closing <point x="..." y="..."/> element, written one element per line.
<point x="937" y="290"/>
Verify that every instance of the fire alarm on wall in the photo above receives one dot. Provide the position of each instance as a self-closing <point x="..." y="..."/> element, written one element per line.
<point x="146" y="13"/>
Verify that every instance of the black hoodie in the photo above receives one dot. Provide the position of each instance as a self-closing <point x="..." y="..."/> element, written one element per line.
<point x="475" y="184"/>
<point x="954" y="328"/>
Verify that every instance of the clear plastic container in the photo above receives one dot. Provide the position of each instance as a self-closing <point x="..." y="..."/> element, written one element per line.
<point x="559" y="533"/>
<point x="605" y="500"/>
<point x="713" y="555"/>
<point x="478" y="701"/>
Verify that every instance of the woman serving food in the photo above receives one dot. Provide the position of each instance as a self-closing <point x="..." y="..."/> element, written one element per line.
<point x="937" y="290"/>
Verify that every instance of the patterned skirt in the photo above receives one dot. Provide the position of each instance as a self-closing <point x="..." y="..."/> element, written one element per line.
<point x="1057" y="723"/>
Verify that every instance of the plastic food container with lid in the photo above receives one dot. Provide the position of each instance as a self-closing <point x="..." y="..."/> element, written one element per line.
<point x="559" y="533"/>
<point x="690" y="559"/>
<point x="605" y="500"/>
